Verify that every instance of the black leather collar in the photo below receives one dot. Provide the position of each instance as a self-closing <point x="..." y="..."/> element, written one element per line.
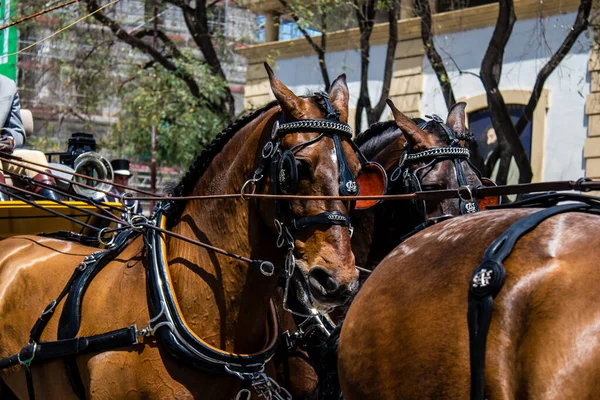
<point x="169" y="325"/>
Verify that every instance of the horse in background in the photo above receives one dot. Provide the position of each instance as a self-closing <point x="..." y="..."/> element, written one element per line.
<point x="380" y="229"/>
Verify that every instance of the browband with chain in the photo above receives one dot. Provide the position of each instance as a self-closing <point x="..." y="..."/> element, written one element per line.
<point x="312" y="125"/>
<point x="460" y="152"/>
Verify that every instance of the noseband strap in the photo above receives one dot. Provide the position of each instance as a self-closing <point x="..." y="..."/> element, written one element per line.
<point x="325" y="218"/>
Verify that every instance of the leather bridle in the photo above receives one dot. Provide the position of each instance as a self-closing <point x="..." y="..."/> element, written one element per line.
<point x="284" y="181"/>
<point x="409" y="176"/>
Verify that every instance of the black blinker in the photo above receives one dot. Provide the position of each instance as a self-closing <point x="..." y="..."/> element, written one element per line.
<point x="287" y="176"/>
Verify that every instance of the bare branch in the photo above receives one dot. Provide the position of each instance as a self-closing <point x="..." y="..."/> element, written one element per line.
<point x="163" y="37"/>
<point x="491" y="69"/>
<point x="581" y="24"/>
<point x="423" y="11"/>
<point x="320" y="50"/>
<point x="393" y="15"/>
<point x="365" y="14"/>
<point x="460" y="71"/>
<point x="139" y="44"/>
<point x="183" y="4"/>
<point x="196" y="21"/>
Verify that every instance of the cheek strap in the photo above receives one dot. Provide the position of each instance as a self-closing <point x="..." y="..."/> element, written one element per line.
<point x="348" y="184"/>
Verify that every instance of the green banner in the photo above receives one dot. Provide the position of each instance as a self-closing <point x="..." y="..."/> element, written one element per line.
<point x="8" y="40"/>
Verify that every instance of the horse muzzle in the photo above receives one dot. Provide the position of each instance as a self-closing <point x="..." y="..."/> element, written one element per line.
<point x="326" y="289"/>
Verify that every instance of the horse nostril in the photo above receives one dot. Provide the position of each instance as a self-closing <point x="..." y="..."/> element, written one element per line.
<point x="321" y="279"/>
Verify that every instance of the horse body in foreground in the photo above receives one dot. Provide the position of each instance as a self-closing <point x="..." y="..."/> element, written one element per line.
<point x="406" y="333"/>
<point x="224" y="301"/>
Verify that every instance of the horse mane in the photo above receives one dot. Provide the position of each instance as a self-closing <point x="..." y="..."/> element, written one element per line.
<point x="377" y="136"/>
<point x="202" y="161"/>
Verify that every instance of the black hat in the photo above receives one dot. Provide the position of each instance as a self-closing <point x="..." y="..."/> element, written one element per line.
<point x="120" y="167"/>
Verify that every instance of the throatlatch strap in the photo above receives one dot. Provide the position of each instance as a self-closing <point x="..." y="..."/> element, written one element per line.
<point x="487" y="281"/>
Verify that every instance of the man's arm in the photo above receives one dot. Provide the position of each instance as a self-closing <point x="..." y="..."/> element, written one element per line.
<point x="14" y="124"/>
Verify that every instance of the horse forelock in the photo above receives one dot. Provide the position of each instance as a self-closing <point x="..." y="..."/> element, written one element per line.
<point x="377" y="137"/>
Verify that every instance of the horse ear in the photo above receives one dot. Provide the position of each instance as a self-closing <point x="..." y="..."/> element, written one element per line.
<point x="288" y="101"/>
<point x="339" y="96"/>
<point x="415" y="136"/>
<point x="456" y="117"/>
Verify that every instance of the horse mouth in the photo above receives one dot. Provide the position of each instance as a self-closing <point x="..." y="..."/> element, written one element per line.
<point x="312" y="294"/>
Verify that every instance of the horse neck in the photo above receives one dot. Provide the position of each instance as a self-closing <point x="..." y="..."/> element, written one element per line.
<point x="224" y="300"/>
<point x="393" y="219"/>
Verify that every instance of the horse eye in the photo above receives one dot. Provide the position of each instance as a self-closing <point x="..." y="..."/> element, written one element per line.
<point x="304" y="169"/>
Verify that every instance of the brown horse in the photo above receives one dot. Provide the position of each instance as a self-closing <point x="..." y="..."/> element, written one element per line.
<point x="223" y="301"/>
<point x="406" y="336"/>
<point x="380" y="229"/>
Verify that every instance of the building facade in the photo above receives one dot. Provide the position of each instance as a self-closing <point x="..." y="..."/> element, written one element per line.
<point x="562" y="141"/>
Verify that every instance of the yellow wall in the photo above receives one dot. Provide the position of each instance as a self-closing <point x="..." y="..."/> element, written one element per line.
<point x="591" y="149"/>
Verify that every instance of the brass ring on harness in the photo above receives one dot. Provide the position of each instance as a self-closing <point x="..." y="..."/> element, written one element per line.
<point x="252" y="182"/>
<point x="468" y="196"/>
<point x="128" y="207"/>
<point x="138" y="225"/>
<point x="101" y="237"/>
<point x="267" y="268"/>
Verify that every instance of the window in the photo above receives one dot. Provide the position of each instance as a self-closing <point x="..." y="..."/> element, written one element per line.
<point x="287" y="29"/>
<point x="486" y="141"/>
<point x="451" y="5"/>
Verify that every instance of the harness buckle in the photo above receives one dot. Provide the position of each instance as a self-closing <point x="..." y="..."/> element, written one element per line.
<point x="103" y="240"/>
<point x="261" y="384"/>
<point x="27" y="362"/>
<point x="269" y="150"/>
<point x="275" y="130"/>
<point x="138" y="225"/>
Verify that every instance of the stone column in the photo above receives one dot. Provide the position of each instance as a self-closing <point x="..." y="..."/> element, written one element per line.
<point x="271" y="27"/>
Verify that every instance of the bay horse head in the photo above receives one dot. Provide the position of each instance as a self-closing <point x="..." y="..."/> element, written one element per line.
<point x="316" y="158"/>
<point x="417" y="155"/>
<point x="434" y="159"/>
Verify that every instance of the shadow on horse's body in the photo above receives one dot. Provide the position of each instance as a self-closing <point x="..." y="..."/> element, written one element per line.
<point x="406" y="333"/>
<point x="224" y="301"/>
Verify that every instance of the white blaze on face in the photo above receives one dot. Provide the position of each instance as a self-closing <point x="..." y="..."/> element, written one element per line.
<point x="333" y="155"/>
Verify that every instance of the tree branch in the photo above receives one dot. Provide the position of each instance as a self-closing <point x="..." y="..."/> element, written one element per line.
<point x="393" y="15"/>
<point x="197" y="23"/>
<point x="163" y="37"/>
<point x="183" y="4"/>
<point x="423" y="11"/>
<point x="491" y="69"/>
<point x="581" y="24"/>
<point x="320" y="50"/>
<point x="365" y="14"/>
<point x="139" y="44"/>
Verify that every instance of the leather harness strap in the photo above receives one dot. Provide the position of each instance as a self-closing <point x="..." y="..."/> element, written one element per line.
<point x="488" y="278"/>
